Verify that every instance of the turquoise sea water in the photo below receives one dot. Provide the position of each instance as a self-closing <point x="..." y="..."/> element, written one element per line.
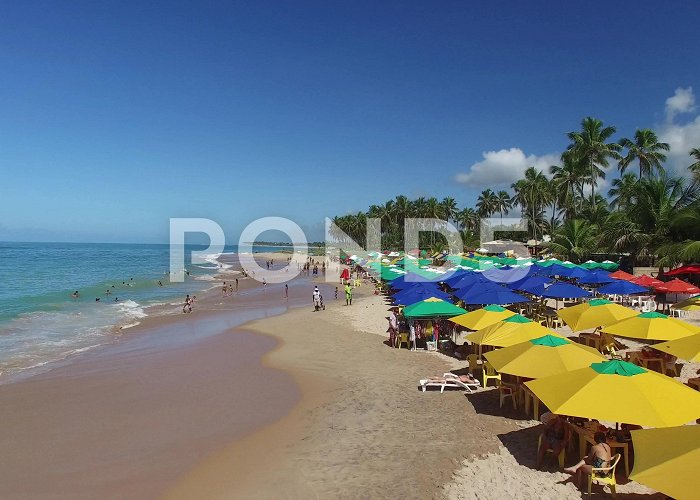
<point x="41" y="322"/>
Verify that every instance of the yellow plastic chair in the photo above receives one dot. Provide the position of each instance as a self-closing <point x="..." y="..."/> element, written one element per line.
<point x="490" y="373"/>
<point x="562" y="453"/>
<point x="357" y="283"/>
<point x="605" y="475"/>
<point x="473" y="360"/>
<point x="507" y="391"/>
<point x="402" y="338"/>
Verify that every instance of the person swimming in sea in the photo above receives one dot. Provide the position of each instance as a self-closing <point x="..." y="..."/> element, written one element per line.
<point x="75" y="294"/>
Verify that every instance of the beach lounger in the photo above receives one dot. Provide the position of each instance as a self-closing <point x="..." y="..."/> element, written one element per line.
<point x="450" y="380"/>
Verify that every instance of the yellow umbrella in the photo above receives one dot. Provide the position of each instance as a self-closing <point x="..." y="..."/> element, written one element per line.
<point x="667" y="460"/>
<point x="542" y="357"/>
<point x="691" y="304"/>
<point x="652" y="326"/>
<point x="594" y="313"/>
<point x="687" y="348"/>
<point x="619" y="391"/>
<point x="510" y="331"/>
<point x="481" y="318"/>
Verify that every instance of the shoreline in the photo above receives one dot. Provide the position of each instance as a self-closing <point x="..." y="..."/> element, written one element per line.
<point x="131" y="417"/>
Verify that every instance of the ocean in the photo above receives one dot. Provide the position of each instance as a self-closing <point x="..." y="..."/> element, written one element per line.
<point x="41" y="322"/>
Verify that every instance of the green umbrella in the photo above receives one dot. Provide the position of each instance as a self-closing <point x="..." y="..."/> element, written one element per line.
<point x="432" y="308"/>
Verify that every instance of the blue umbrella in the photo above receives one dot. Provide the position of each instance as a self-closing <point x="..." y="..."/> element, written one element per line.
<point x="458" y="275"/>
<point x="531" y="282"/>
<point x="409" y="279"/>
<point x="492" y="295"/>
<point x="469" y="280"/>
<point x="578" y="272"/>
<point x="563" y="291"/>
<point x="622" y="287"/>
<point x="507" y="274"/>
<point x="555" y="270"/>
<point x="411" y="296"/>
<point x="596" y="279"/>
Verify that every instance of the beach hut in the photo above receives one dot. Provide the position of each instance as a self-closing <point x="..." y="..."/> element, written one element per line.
<point x="667" y="460"/>
<point x="618" y="391"/>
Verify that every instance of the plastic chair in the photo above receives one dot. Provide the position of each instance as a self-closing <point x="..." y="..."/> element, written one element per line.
<point x="506" y="391"/>
<point x="562" y="453"/>
<point x="605" y="475"/>
<point x="490" y="373"/>
<point x="402" y="338"/>
<point x="473" y="360"/>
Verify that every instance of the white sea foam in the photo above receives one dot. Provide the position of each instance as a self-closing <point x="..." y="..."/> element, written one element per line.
<point x="205" y="277"/>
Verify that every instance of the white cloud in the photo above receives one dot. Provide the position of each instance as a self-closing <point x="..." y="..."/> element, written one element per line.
<point x="681" y="137"/>
<point x="503" y="167"/>
<point x="682" y="101"/>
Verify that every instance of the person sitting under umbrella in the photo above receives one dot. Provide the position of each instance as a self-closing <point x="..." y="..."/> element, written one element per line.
<point x="598" y="458"/>
<point x="554" y="436"/>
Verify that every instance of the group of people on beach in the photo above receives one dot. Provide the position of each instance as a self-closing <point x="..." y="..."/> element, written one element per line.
<point x="228" y="289"/>
<point x="189" y="303"/>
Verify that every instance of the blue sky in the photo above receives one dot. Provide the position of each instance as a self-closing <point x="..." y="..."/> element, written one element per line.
<point x="116" y="117"/>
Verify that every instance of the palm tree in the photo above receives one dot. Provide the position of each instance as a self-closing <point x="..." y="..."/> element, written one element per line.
<point x="503" y="203"/>
<point x="590" y="147"/>
<point x="532" y="194"/>
<point x="569" y="179"/>
<point x="468" y="220"/>
<point x="645" y="148"/>
<point x="575" y="240"/>
<point x="623" y="191"/>
<point x="648" y="224"/>
<point x="486" y="203"/>
<point x="449" y="208"/>
<point x="695" y="167"/>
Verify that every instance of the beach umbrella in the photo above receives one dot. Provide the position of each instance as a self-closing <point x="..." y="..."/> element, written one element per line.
<point x="556" y="270"/>
<point x="590" y="264"/>
<point x="411" y="279"/>
<point x="677" y="286"/>
<point x="481" y="318"/>
<point x="417" y="294"/>
<point x="618" y="391"/>
<point x="593" y="314"/>
<point x="543" y="357"/>
<point x="667" y="460"/>
<point x="609" y="265"/>
<point x="596" y="279"/>
<point x="563" y="291"/>
<point x="496" y="294"/>
<point x="510" y="331"/>
<point x="622" y="275"/>
<point x="432" y="308"/>
<point x="530" y="282"/>
<point x="578" y="273"/>
<point x="687" y="348"/>
<point x="651" y="326"/>
<point x="691" y="304"/>
<point x="621" y="287"/>
<point x="691" y="269"/>
<point x="645" y="280"/>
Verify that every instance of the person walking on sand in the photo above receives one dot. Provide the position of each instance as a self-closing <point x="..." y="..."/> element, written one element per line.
<point x="286" y="291"/>
<point x="264" y="283"/>
<point x="236" y="284"/>
<point x="348" y="294"/>
<point x="336" y="293"/>
<point x="316" y="298"/>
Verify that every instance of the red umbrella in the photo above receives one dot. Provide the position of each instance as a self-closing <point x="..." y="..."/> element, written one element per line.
<point x="622" y="275"/>
<point x="691" y="269"/>
<point x="647" y="281"/>
<point x="677" y="286"/>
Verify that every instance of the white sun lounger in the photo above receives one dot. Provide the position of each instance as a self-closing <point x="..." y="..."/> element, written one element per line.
<point x="452" y="381"/>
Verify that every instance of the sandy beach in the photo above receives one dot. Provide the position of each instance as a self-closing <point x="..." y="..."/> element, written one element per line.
<point x="258" y="396"/>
